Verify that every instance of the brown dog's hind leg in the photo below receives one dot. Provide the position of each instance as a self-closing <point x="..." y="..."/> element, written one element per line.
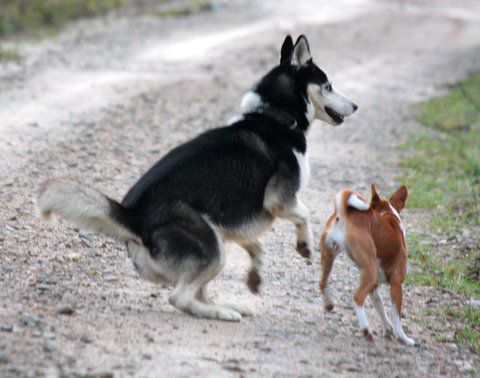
<point x="327" y="258"/>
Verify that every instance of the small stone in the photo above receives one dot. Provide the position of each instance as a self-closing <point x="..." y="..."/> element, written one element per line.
<point x="30" y="319"/>
<point x="65" y="310"/>
<point x="43" y="287"/>
<point x="84" y="338"/>
<point x="110" y="278"/>
<point x="6" y="327"/>
<point x="71" y="163"/>
<point x="99" y="374"/>
<point x="475" y="303"/>
<point x="48" y="346"/>
<point x="8" y="267"/>
<point x="49" y="335"/>
<point x="4" y="358"/>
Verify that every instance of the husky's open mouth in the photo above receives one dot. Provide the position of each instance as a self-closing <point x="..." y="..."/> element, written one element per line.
<point x="337" y="117"/>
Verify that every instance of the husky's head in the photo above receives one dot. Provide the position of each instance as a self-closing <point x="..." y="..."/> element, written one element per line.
<point x="300" y="88"/>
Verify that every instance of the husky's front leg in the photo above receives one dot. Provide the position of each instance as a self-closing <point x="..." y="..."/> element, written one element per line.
<point x="299" y="215"/>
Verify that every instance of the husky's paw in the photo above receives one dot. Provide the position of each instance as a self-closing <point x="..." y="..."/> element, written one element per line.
<point x="228" y="314"/>
<point x="304" y="249"/>
<point x="244" y="311"/>
<point x="254" y="281"/>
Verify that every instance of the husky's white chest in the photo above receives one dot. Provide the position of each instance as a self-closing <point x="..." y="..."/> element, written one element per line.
<point x="304" y="166"/>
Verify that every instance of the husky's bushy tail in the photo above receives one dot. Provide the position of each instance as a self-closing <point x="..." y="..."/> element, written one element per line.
<point x="85" y="207"/>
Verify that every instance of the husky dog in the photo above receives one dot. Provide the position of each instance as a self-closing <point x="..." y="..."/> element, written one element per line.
<point x="229" y="183"/>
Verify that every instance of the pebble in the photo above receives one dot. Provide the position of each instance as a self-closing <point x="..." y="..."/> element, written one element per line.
<point x="30" y="319"/>
<point x="6" y="327"/>
<point x="99" y="374"/>
<point x="65" y="310"/>
<point x="110" y="278"/>
<point x="8" y="267"/>
<point x="48" y="346"/>
<point x="85" y="338"/>
<point x="71" y="163"/>
<point x="43" y="287"/>
<point x="4" y="358"/>
<point x="475" y="303"/>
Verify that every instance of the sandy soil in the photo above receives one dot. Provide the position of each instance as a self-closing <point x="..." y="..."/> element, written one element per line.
<point x="108" y="97"/>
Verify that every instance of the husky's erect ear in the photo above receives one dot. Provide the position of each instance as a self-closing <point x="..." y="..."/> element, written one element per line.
<point x="375" y="198"/>
<point x="301" y="51"/>
<point x="399" y="198"/>
<point x="287" y="50"/>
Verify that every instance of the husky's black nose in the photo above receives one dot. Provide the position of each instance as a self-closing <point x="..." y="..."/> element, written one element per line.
<point x="355" y="107"/>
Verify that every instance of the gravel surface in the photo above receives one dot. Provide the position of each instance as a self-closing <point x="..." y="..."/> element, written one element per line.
<point x="106" y="98"/>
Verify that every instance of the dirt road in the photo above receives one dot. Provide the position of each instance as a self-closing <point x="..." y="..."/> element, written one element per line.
<point x="107" y="98"/>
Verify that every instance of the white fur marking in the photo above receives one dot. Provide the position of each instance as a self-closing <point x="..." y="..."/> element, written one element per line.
<point x="327" y="298"/>
<point x="250" y="102"/>
<point x="362" y="319"/>
<point x="397" y="215"/>
<point x="235" y="119"/>
<point x="302" y="160"/>
<point x="357" y="203"/>
<point x="310" y="114"/>
<point x="336" y="235"/>
<point x="398" y="329"/>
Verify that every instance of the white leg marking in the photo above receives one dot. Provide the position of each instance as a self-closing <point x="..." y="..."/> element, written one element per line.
<point x="327" y="298"/>
<point x="299" y="215"/>
<point x="205" y="298"/>
<point x="398" y="329"/>
<point x="184" y="298"/>
<point x="362" y="319"/>
<point x="378" y="304"/>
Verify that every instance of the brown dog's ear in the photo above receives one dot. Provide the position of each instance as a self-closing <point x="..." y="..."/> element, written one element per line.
<point x="399" y="198"/>
<point x="375" y="198"/>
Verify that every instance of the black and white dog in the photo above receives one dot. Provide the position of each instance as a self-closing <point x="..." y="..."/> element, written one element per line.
<point x="229" y="183"/>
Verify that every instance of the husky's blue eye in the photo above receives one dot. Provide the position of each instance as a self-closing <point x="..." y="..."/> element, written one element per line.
<point x="328" y="88"/>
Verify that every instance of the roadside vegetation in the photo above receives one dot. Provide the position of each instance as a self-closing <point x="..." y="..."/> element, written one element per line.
<point x="185" y="9"/>
<point x="28" y="16"/>
<point x="442" y="170"/>
<point x="40" y="17"/>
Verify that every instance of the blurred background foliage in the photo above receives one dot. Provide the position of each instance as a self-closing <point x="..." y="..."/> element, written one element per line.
<point x="28" y="15"/>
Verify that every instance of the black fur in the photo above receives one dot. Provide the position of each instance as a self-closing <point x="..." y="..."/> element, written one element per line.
<point x="222" y="174"/>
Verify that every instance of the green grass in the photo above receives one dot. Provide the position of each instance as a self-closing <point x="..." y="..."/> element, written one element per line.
<point x="442" y="170"/>
<point x="19" y="16"/>
<point x="191" y="7"/>
<point x="455" y="274"/>
<point x="469" y="333"/>
<point x="442" y="164"/>
<point x="8" y="54"/>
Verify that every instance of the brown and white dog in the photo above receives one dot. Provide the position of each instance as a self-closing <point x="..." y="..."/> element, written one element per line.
<point x="374" y="238"/>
